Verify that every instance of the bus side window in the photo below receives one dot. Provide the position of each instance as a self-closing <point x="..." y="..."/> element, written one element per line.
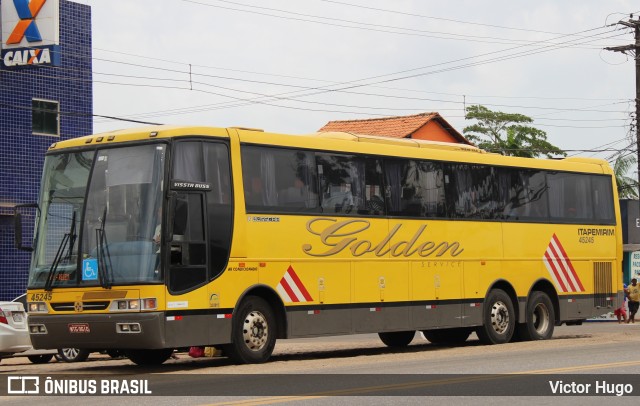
<point x="570" y="197"/>
<point x="603" y="206"/>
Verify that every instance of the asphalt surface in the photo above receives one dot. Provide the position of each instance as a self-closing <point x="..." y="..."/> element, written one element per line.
<point x="350" y="369"/>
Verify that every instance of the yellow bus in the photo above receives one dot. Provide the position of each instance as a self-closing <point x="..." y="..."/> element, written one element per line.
<point x="155" y="239"/>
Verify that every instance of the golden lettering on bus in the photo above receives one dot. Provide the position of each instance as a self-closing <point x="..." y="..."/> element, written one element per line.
<point x="341" y="235"/>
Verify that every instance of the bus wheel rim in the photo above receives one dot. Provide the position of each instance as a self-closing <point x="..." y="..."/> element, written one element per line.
<point x="541" y="318"/>
<point x="255" y="331"/>
<point x="500" y="317"/>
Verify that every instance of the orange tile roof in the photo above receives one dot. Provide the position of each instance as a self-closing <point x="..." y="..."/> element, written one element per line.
<point x="396" y="127"/>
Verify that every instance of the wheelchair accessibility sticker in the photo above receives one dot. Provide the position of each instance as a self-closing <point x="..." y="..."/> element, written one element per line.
<point x="90" y="269"/>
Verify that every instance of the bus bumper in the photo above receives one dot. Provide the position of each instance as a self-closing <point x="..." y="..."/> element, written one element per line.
<point x="152" y="330"/>
<point x="99" y="331"/>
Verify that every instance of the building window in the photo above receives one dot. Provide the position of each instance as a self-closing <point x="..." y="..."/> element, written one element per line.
<point x="45" y="117"/>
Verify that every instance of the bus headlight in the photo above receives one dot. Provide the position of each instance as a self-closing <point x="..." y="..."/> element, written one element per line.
<point x="37" y="307"/>
<point x="133" y="305"/>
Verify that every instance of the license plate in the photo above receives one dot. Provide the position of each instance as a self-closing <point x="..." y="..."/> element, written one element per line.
<point x="17" y="317"/>
<point x="79" y="328"/>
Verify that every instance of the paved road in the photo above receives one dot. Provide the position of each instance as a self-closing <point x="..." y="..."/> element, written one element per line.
<point x="349" y="369"/>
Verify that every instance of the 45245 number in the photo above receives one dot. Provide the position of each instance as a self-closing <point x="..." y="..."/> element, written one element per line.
<point x="40" y="297"/>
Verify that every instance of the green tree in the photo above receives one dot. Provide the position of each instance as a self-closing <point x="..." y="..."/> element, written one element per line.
<point x="627" y="186"/>
<point x="507" y="134"/>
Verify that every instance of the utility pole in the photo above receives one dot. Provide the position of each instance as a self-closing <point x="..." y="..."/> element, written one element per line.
<point x="635" y="49"/>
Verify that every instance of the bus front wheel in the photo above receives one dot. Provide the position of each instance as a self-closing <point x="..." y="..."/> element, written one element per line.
<point x="540" y="318"/>
<point x="397" y="338"/>
<point x="254" y="332"/>
<point x="149" y="357"/>
<point x="447" y="336"/>
<point x="498" y="318"/>
<point x="40" y="359"/>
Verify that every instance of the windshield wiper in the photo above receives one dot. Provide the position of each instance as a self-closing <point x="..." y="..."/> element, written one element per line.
<point x="72" y="237"/>
<point x="68" y="238"/>
<point x="102" y="246"/>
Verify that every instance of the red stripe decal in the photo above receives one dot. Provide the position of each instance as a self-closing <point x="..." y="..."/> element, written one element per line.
<point x="566" y="257"/>
<point x="555" y="271"/>
<point x="299" y="283"/>
<point x="560" y="265"/>
<point x="289" y="291"/>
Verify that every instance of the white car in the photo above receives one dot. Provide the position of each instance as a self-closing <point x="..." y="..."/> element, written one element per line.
<point x="14" y="333"/>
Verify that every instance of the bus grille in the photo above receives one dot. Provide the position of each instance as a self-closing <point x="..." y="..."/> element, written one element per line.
<point x="70" y="306"/>
<point x="602" y="291"/>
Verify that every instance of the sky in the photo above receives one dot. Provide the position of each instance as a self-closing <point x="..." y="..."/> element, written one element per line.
<point x="291" y="66"/>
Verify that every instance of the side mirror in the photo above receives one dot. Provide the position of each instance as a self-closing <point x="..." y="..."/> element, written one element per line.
<point x="17" y="225"/>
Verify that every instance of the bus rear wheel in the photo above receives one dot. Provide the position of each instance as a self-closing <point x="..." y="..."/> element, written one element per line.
<point x="540" y="318"/>
<point x="447" y="336"/>
<point x="397" y="338"/>
<point x="498" y="318"/>
<point x="149" y="357"/>
<point x="254" y="332"/>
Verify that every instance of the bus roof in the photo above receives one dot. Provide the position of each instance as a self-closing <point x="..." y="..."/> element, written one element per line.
<point x="139" y="134"/>
<point x="344" y="142"/>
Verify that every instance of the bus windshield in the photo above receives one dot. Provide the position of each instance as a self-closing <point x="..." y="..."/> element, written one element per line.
<point x="112" y="237"/>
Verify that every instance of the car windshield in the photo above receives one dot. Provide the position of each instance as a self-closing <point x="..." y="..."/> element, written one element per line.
<point x="109" y="237"/>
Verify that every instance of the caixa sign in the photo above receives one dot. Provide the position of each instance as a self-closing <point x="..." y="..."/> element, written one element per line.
<point x="48" y="55"/>
<point x="30" y="33"/>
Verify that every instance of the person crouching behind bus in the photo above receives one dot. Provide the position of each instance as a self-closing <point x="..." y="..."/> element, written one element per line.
<point x="621" y="312"/>
<point x="633" y="293"/>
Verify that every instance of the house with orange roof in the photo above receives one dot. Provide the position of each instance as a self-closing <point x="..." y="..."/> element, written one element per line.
<point x="424" y="126"/>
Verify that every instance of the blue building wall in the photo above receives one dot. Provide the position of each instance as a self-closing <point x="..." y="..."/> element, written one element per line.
<point x="21" y="152"/>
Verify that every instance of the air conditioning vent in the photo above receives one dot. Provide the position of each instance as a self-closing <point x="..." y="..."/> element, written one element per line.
<point x="602" y="289"/>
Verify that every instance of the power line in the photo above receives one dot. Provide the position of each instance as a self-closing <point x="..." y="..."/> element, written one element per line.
<point x="354" y="84"/>
<point x="364" y="26"/>
<point x="303" y="87"/>
<point x="440" y="18"/>
<point x="325" y="89"/>
<point x="333" y="82"/>
<point x="76" y="113"/>
<point x="306" y="88"/>
<point x="379" y="76"/>
<point x="635" y="49"/>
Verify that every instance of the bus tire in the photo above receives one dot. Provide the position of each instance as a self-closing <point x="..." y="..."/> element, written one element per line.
<point x="149" y="357"/>
<point x="115" y="353"/>
<point x="253" y="335"/>
<point x="397" y="338"/>
<point x="499" y="318"/>
<point x="447" y="336"/>
<point x="540" y="318"/>
<point x="40" y="359"/>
